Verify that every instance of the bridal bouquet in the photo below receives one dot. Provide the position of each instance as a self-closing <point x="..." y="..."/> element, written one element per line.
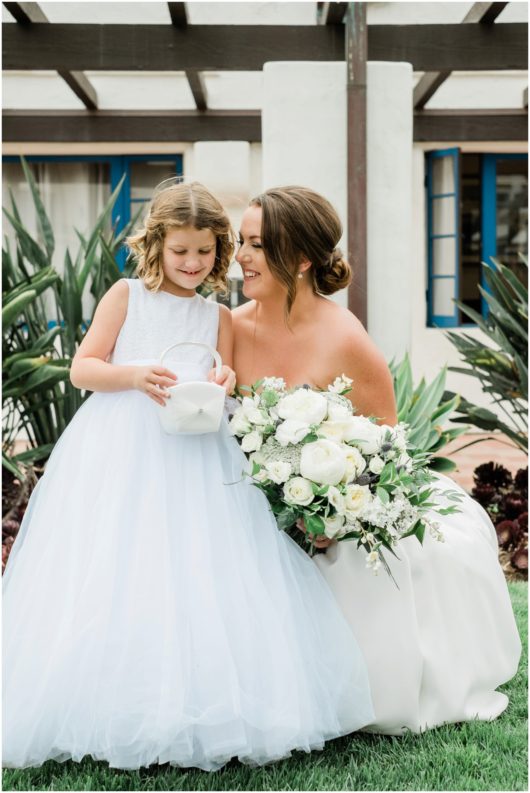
<point x="345" y="476"/>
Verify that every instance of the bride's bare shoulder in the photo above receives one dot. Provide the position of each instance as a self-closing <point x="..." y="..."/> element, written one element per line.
<point x="352" y="340"/>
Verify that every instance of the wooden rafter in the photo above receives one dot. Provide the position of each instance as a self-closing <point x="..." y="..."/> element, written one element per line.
<point x="331" y="13"/>
<point x="27" y="14"/>
<point x="483" y="13"/>
<point x="179" y="18"/>
<point x="179" y="14"/>
<point x="77" y="47"/>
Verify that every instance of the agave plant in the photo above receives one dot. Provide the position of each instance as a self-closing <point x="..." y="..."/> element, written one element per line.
<point x="425" y="409"/>
<point x="501" y="367"/>
<point x="39" y="342"/>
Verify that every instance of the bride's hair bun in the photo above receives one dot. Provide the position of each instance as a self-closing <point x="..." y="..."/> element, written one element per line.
<point x="301" y="225"/>
<point x="336" y="275"/>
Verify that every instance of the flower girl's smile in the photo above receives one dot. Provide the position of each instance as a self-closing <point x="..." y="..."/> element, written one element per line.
<point x="188" y="257"/>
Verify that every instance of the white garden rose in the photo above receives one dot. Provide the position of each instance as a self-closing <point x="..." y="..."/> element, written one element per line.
<point x="355" y="463"/>
<point x="336" y="499"/>
<point x="239" y="425"/>
<point x="376" y="465"/>
<point x="252" y="442"/>
<point x="279" y="472"/>
<point x="333" y="526"/>
<point x="252" y="413"/>
<point x="338" y="412"/>
<point x="365" y="434"/>
<point x="261" y="475"/>
<point x="332" y="430"/>
<point x="298" y="491"/>
<point x="291" y="431"/>
<point x="356" y="499"/>
<point x="303" y="405"/>
<point x="323" y="462"/>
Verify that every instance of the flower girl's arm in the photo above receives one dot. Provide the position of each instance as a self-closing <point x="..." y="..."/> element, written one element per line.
<point x="225" y="348"/>
<point x="90" y="369"/>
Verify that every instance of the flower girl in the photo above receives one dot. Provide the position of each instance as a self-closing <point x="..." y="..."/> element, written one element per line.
<point x="153" y="612"/>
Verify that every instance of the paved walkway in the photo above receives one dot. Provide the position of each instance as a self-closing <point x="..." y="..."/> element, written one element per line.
<point x="499" y="451"/>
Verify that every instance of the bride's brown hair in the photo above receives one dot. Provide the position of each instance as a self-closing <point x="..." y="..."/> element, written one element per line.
<point x="299" y="224"/>
<point x="174" y="207"/>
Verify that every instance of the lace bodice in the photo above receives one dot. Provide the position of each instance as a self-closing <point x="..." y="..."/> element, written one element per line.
<point x="155" y="320"/>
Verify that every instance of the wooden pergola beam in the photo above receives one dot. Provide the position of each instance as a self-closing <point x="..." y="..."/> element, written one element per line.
<point x="331" y="13"/>
<point x="130" y="126"/>
<point x="178" y="14"/>
<point x="179" y="126"/>
<point x="135" y="48"/>
<point x="466" y="125"/>
<point x="27" y="14"/>
<point x="427" y="86"/>
<point x="483" y="13"/>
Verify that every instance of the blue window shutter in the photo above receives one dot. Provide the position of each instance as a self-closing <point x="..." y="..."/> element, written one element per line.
<point x="443" y="237"/>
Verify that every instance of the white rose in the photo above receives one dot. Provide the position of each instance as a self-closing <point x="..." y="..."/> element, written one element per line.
<point x="291" y="431"/>
<point x="252" y="413"/>
<point x="279" y="472"/>
<point x="261" y="475"/>
<point x="355" y="463"/>
<point x="338" y="412"/>
<point x="376" y="465"/>
<point x="298" y="491"/>
<point x="239" y="424"/>
<point x="303" y="405"/>
<point x="252" y="442"/>
<point x="332" y="430"/>
<point x="356" y="499"/>
<point x="366" y="435"/>
<point x="333" y="526"/>
<point x="336" y="499"/>
<point x="323" y="461"/>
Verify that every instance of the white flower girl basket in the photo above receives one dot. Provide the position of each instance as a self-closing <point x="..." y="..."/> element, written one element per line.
<point x="195" y="407"/>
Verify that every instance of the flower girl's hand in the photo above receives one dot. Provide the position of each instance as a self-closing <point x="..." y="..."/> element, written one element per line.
<point x="227" y="378"/>
<point x="319" y="542"/>
<point x="153" y="381"/>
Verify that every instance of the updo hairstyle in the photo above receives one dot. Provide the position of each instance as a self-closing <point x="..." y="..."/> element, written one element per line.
<point x="175" y="207"/>
<point x="299" y="224"/>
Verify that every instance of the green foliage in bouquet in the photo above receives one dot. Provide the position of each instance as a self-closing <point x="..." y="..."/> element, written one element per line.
<point x="500" y="367"/>
<point x="43" y="324"/>
<point x="337" y="474"/>
<point x="426" y="408"/>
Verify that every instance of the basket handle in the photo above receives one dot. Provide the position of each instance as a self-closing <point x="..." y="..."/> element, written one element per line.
<point x="213" y="352"/>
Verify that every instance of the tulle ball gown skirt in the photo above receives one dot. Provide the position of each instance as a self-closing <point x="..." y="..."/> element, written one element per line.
<point x="153" y="613"/>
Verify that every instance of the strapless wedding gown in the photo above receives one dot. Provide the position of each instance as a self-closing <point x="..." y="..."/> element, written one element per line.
<point x="438" y="647"/>
<point x="152" y="610"/>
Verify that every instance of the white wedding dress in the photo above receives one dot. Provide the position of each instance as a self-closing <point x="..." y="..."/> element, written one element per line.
<point x="152" y="611"/>
<point x="439" y="646"/>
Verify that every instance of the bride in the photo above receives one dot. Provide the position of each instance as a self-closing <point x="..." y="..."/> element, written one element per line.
<point x="438" y="646"/>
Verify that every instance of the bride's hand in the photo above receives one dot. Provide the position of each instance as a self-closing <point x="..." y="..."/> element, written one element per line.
<point x="227" y="378"/>
<point x="319" y="542"/>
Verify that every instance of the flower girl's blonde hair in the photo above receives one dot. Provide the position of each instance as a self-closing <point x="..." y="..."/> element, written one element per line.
<point x="175" y="207"/>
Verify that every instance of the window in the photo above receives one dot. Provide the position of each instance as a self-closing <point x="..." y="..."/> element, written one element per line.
<point x="477" y="208"/>
<point x="75" y="189"/>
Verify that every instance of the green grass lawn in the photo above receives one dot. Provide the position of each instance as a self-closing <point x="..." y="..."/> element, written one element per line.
<point x="469" y="756"/>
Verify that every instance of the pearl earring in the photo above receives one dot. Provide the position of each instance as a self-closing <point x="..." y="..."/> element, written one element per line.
<point x="300" y="275"/>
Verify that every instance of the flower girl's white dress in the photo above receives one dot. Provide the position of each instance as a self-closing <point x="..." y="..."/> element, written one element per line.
<point x="152" y="610"/>
<point x="439" y="646"/>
